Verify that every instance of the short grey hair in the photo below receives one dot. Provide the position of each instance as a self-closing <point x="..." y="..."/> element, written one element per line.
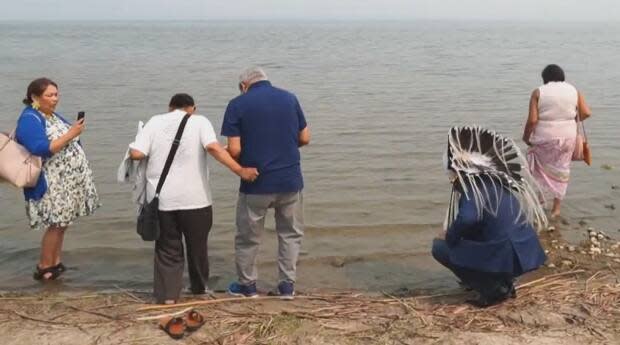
<point x="252" y="75"/>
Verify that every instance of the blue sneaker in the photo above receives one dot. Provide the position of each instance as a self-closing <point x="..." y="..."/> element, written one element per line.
<point x="240" y="290"/>
<point x="286" y="290"/>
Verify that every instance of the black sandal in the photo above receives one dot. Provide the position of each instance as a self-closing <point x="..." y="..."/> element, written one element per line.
<point x="40" y="273"/>
<point x="61" y="267"/>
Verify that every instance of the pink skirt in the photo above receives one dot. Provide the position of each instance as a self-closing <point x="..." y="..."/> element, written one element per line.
<point x="549" y="163"/>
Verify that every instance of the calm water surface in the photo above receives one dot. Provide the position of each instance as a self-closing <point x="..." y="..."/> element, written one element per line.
<point x="379" y="98"/>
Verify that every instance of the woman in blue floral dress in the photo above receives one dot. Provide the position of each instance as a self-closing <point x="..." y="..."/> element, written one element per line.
<point x="65" y="190"/>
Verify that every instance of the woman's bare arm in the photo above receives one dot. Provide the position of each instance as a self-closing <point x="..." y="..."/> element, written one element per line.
<point x="532" y="118"/>
<point x="583" y="110"/>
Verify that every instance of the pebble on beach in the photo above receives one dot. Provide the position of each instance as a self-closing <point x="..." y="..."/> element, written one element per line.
<point x="600" y="243"/>
<point x="337" y="262"/>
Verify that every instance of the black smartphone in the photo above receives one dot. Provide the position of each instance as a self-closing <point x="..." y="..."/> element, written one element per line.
<point x="81" y="115"/>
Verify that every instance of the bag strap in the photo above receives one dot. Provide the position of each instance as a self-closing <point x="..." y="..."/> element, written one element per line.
<point x="173" y="151"/>
<point x="583" y="126"/>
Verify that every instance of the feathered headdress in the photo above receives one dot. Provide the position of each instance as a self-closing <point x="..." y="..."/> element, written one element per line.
<point x="475" y="154"/>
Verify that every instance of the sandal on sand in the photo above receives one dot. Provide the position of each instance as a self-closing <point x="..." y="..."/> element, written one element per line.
<point x="40" y="273"/>
<point x="194" y="320"/>
<point x="174" y="326"/>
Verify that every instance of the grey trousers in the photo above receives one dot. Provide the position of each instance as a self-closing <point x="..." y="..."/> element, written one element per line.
<point x="251" y="211"/>
<point x="194" y="225"/>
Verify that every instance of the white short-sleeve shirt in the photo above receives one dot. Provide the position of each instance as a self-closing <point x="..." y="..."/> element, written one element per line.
<point x="187" y="184"/>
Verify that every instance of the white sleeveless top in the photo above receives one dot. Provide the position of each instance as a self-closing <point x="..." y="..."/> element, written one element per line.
<point x="557" y="108"/>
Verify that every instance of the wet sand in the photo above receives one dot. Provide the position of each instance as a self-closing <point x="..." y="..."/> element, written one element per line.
<point x="574" y="299"/>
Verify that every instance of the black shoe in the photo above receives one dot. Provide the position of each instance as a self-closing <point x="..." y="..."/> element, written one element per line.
<point x="197" y="291"/>
<point x="485" y="302"/>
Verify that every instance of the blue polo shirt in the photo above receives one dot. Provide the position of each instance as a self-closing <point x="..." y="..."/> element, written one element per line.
<point x="268" y="121"/>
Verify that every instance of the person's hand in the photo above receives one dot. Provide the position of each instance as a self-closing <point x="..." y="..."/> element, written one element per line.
<point x="248" y="174"/>
<point x="76" y="129"/>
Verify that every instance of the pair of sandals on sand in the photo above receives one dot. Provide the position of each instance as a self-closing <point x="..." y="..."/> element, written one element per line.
<point x="176" y="327"/>
<point x="49" y="273"/>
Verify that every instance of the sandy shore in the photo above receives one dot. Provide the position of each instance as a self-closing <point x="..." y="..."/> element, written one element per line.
<point x="574" y="300"/>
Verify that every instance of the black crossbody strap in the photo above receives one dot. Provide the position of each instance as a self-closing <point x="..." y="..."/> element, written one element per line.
<point x="173" y="151"/>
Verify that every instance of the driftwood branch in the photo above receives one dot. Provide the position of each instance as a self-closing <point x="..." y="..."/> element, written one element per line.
<point x="551" y="276"/>
<point x="222" y="300"/>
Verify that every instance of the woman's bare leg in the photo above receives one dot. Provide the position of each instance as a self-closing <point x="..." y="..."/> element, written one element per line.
<point x="50" y="244"/>
<point x="555" y="211"/>
<point x="59" y="243"/>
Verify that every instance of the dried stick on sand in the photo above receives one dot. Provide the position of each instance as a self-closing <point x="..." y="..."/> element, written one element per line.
<point x="156" y="317"/>
<point x="533" y="282"/>
<point x="131" y="295"/>
<point x="222" y="300"/>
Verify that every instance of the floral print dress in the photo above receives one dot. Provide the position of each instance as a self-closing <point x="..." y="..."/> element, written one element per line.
<point x="71" y="192"/>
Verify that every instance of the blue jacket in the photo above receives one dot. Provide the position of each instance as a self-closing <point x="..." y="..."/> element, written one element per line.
<point x="494" y="243"/>
<point x="31" y="134"/>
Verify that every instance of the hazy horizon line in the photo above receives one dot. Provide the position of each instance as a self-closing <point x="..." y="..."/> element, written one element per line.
<point x="315" y="20"/>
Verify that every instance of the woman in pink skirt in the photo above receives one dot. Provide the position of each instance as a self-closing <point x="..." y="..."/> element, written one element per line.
<point x="550" y="132"/>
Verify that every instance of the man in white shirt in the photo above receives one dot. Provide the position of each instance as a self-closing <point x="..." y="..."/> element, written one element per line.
<point x="185" y="198"/>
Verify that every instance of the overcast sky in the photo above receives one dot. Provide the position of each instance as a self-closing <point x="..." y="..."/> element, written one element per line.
<point x="548" y="10"/>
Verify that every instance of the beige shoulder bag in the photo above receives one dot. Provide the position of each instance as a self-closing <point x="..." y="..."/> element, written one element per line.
<point x="18" y="166"/>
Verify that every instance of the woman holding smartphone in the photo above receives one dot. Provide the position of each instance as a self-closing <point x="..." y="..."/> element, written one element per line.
<point x="65" y="189"/>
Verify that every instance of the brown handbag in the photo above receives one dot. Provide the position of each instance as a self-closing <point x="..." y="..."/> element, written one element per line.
<point x="18" y="166"/>
<point x="582" y="148"/>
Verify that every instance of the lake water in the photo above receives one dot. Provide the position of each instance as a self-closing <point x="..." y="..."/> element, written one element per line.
<point x="379" y="98"/>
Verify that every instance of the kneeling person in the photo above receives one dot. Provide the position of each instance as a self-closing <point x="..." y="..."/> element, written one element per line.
<point x="490" y="238"/>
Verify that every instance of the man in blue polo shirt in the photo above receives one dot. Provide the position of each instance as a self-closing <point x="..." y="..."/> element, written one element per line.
<point x="265" y="127"/>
